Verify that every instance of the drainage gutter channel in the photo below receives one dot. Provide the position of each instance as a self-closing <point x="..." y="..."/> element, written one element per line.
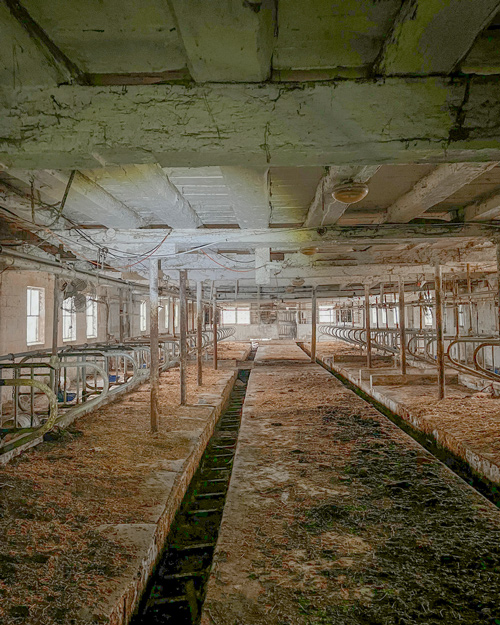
<point x="176" y="591"/>
<point x="127" y="597"/>
<point x="469" y="466"/>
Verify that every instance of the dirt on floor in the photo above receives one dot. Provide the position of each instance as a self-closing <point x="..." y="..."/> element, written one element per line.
<point x="231" y="350"/>
<point x="336" y="517"/>
<point x="470" y="416"/>
<point x="56" y="567"/>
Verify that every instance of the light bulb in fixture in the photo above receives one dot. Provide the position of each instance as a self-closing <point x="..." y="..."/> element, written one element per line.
<point x="350" y="192"/>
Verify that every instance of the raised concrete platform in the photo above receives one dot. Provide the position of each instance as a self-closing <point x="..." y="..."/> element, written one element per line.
<point x="85" y="516"/>
<point x="335" y="516"/>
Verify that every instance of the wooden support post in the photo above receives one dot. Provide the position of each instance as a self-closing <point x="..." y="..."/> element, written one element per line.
<point x="183" y="333"/>
<point x="439" y="330"/>
<point x="314" y="314"/>
<point x="55" y="316"/>
<point x="153" y="338"/>
<point x="368" y="327"/>
<point x="214" y="325"/>
<point x="121" y="326"/>
<point x="199" y="327"/>
<point x="402" y="326"/>
<point x="498" y="288"/>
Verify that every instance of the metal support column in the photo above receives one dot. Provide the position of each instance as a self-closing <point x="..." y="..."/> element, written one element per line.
<point x="439" y="330"/>
<point x="368" y="327"/>
<point x="402" y="326"/>
<point x="314" y="314"/>
<point x="183" y="332"/>
<point x="153" y="338"/>
<point x="199" y="328"/>
<point x="214" y="325"/>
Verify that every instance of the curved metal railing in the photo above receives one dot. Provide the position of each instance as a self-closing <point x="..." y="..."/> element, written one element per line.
<point x="78" y="380"/>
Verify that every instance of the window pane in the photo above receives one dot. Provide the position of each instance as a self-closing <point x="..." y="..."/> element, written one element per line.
<point x="142" y="317"/>
<point x="243" y="315"/>
<point x="91" y="318"/>
<point x="35" y="315"/>
<point x="32" y="330"/>
<point x="228" y="316"/>
<point x="69" y="320"/>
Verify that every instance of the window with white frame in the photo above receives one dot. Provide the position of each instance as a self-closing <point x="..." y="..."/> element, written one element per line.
<point x="239" y="316"/>
<point x="383" y="316"/>
<point x="143" y="311"/>
<point x="428" y="316"/>
<point x="177" y="314"/>
<point x="346" y="315"/>
<point x="166" y="313"/>
<point x="35" y="319"/>
<point x="396" y="315"/>
<point x="69" y="319"/>
<point x="91" y="315"/>
<point x="461" y="315"/>
<point x="326" y="314"/>
<point x="373" y="315"/>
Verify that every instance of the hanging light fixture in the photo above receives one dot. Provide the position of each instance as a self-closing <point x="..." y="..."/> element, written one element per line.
<point x="350" y="192"/>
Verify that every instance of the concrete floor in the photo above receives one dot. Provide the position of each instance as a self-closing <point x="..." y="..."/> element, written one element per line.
<point x="334" y="515"/>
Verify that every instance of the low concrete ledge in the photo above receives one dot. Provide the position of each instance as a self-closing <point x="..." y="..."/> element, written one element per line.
<point x="148" y="539"/>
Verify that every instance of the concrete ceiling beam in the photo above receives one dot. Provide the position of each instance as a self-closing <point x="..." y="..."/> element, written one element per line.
<point x="484" y="210"/>
<point x="432" y="36"/>
<point x="149" y="188"/>
<point x="139" y="241"/>
<point x="87" y="198"/>
<point x="28" y="57"/>
<point x="396" y="120"/>
<point x="440" y="184"/>
<point x="324" y="209"/>
<point x="250" y="196"/>
<point x="228" y="40"/>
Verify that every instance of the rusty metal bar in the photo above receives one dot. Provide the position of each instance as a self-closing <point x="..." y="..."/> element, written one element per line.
<point x="368" y="327"/>
<point x="199" y="330"/>
<point x="402" y="326"/>
<point x="153" y="337"/>
<point x="314" y="315"/>
<point x="183" y="334"/>
<point x="438" y="288"/>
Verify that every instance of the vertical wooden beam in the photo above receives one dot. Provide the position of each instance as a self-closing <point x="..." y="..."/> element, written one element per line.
<point x="214" y="324"/>
<point x="183" y="333"/>
<point x="122" y="316"/>
<point x="55" y="315"/>
<point x="153" y="338"/>
<point x="314" y="315"/>
<point x="439" y="330"/>
<point x="368" y="327"/>
<point x="402" y="326"/>
<point x="498" y="287"/>
<point x="199" y="327"/>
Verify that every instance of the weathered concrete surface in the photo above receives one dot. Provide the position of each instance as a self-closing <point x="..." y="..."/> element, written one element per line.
<point x="366" y="122"/>
<point x="334" y="515"/>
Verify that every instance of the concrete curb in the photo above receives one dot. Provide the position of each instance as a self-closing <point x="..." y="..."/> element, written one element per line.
<point x="128" y="599"/>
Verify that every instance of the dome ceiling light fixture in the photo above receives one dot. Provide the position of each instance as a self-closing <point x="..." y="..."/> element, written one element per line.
<point x="350" y="192"/>
<point x="298" y="281"/>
